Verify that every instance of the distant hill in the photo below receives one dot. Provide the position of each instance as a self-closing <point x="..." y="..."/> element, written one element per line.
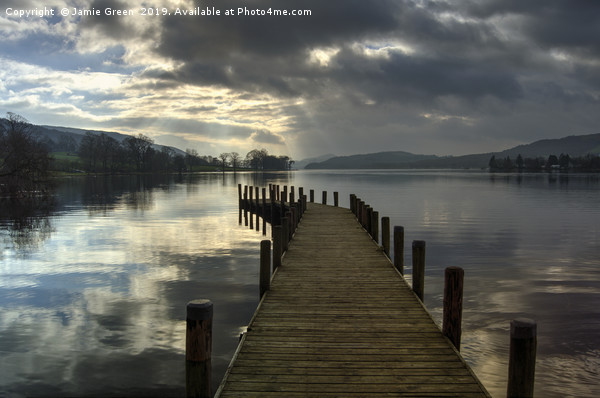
<point x="67" y="139"/>
<point x="380" y="160"/>
<point x="55" y="133"/>
<point x="300" y="164"/>
<point x="575" y="145"/>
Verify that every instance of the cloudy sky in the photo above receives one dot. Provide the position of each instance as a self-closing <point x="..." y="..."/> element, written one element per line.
<point x="436" y="77"/>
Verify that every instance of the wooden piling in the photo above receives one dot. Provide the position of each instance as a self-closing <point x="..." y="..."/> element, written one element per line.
<point x="521" y="364"/>
<point x="418" y="262"/>
<point x="277" y="246"/>
<point x="399" y="249"/>
<point x="245" y="205"/>
<point x="265" y="266"/>
<point x="250" y="207"/>
<point x="285" y="233"/>
<point x="375" y="226"/>
<point x="324" y="197"/>
<point x="198" y="348"/>
<point x="385" y="235"/>
<point x="264" y="211"/>
<point x="312" y="196"/>
<point x="353" y="203"/>
<point x="336" y="199"/>
<point x="453" y="298"/>
<point x="284" y="198"/>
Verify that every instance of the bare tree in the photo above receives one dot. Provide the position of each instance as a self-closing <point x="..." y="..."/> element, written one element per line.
<point x="235" y="160"/>
<point x="24" y="160"/>
<point x="224" y="156"/>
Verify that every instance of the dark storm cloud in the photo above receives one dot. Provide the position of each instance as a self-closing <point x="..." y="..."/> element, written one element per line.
<point x="573" y="24"/>
<point x="111" y="26"/>
<point x="260" y="54"/>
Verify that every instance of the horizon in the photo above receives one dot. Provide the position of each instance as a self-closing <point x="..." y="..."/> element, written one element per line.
<point x="440" y="78"/>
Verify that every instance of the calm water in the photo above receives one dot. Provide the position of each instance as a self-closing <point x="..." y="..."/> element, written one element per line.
<point x="93" y="284"/>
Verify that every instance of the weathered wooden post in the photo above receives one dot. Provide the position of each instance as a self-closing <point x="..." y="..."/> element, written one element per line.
<point x="353" y="203"/>
<point x="369" y="219"/>
<point x="453" y="300"/>
<point x="293" y="215"/>
<point x="292" y="197"/>
<point x="385" y="235"/>
<point x="240" y="204"/>
<point x="312" y="196"/>
<point x="278" y="195"/>
<point x="285" y="233"/>
<point x="300" y="192"/>
<point x="264" y="211"/>
<point x="521" y="363"/>
<point x="324" y="197"/>
<point x="277" y="246"/>
<point x="336" y="199"/>
<point x="265" y="267"/>
<point x="285" y="195"/>
<point x="198" y="348"/>
<point x="250" y="203"/>
<point x="245" y="206"/>
<point x="288" y="215"/>
<point x="256" y="209"/>
<point x="375" y="226"/>
<point x="418" y="262"/>
<point x="399" y="249"/>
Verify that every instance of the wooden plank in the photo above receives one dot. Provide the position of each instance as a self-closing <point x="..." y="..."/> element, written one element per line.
<point x="339" y="320"/>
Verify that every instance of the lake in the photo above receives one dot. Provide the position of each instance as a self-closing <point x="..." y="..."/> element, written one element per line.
<point x="94" y="283"/>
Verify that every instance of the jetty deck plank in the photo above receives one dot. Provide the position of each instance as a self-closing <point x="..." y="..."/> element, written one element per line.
<point x="339" y="321"/>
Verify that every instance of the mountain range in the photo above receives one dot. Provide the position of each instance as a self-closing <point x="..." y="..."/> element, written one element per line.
<point x="574" y="145"/>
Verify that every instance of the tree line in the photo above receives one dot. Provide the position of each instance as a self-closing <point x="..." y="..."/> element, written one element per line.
<point x="102" y="153"/>
<point x="563" y="162"/>
<point x="26" y="159"/>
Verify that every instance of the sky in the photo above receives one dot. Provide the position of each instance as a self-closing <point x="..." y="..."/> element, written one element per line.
<point x="431" y="77"/>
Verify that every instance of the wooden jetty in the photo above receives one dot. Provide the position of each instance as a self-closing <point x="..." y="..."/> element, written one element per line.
<point x="339" y="320"/>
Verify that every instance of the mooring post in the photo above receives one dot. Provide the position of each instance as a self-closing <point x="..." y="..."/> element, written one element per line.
<point x="265" y="266"/>
<point x="250" y="209"/>
<point x="285" y="192"/>
<point x="418" y="257"/>
<point x="264" y="210"/>
<point x="385" y="235"/>
<point x="278" y="197"/>
<point x="399" y="249"/>
<point x="352" y="203"/>
<point x="324" y="197"/>
<point x="521" y="363"/>
<point x="256" y="208"/>
<point x="277" y="246"/>
<point x="288" y="215"/>
<point x="245" y="207"/>
<point x="312" y="196"/>
<point x="294" y="219"/>
<point x="375" y="226"/>
<point x="285" y="233"/>
<point x="369" y="220"/>
<point x="240" y="205"/>
<point x="198" y="347"/>
<point x="453" y="299"/>
<point x="336" y="199"/>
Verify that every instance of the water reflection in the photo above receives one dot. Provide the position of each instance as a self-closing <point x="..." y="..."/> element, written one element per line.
<point x="93" y="285"/>
<point x="96" y="307"/>
<point x="26" y="220"/>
